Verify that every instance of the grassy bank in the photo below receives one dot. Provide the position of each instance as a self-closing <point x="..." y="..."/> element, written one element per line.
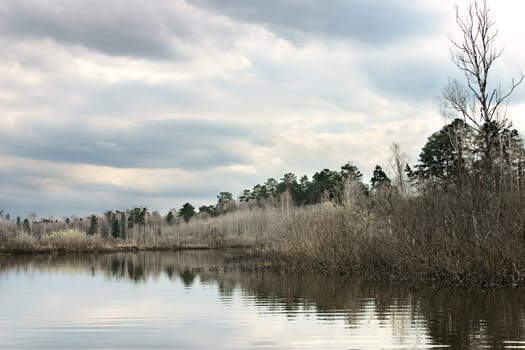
<point x="462" y="238"/>
<point x="73" y="241"/>
<point x="466" y="238"/>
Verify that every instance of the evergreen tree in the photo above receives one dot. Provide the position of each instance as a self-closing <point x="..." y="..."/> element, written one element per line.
<point x="271" y="186"/>
<point x="327" y="185"/>
<point x="351" y="172"/>
<point x="304" y="195"/>
<point x="208" y="210"/>
<point x="170" y="218"/>
<point x="259" y="193"/>
<point x="123" y="229"/>
<point x="225" y="202"/>
<point x="379" y="179"/>
<point x="93" y="225"/>
<point x="447" y="155"/>
<point x="27" y="226"/>
<point x="115" y="227"/>
<point x="187" y="212"/>
<point x="245" y="196"/>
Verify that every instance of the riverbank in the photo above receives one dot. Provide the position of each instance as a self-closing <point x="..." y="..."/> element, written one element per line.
<point x="258" y="259"/>
<point x="461" y="238"/>
<point x="72" y="241"/>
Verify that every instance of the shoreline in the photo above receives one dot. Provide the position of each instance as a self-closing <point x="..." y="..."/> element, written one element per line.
<point x="109" y="250"/>
<point x="254" y="260"/>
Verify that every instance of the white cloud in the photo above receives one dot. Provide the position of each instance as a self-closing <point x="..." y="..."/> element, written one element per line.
<point x="209" y="100"/>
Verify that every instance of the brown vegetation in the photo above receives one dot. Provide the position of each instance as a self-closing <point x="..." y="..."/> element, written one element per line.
<point x="462" y="236"/>
<point x="446" y="236"/>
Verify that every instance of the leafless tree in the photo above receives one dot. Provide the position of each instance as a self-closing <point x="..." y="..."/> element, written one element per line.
<point x="480" y="103"/>
<point x="398" y="162"/>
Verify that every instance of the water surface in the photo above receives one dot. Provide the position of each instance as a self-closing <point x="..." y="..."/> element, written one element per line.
<point x="192" y="300"/>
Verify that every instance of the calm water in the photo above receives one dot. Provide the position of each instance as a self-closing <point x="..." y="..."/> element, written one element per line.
<point x="191" y="300"/>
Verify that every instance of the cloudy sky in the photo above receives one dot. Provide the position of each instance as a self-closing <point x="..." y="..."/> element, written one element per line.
<point x="122" y="103"/>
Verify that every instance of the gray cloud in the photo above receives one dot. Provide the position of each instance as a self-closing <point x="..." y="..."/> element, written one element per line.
<point x="333" y="94"/>
<point x="408" y="78"/>
<point x="136" y="97"/>
<point x="123" y="28"/>
<point x="188" y="144"/>
<point x="374" y="22"/>
<point x="40" y="205"/>
<point x="51" y="189"/>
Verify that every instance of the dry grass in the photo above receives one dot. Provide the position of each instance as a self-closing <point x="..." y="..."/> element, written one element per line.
<point x="241" y="228"/>
<point x="233" y="230"/>
<point x="468" y="237"/>
<point x="66" y="241"/>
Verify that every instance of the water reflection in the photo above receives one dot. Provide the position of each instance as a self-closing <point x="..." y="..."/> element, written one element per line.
<point x="136" y="294"/>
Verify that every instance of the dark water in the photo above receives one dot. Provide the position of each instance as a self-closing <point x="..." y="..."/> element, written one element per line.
<point x="191" y="300"/>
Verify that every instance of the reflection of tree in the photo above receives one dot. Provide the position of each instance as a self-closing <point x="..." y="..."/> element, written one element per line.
<point x="134" y="267"/>
<point x="459" y="318"/>
<point x="116" y="267"/>
<point x="136" y="271"/>
<point x="226" y="288"/>
<point x="170" y="271"/>
<point x="475" y="318"/>
<point x="187" y="277"/>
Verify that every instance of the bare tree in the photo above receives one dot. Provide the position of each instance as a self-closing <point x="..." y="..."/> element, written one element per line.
<point x="481" y="104"/>
<point x="398" y="163"/>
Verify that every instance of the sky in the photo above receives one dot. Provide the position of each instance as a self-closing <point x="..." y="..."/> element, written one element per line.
<point x="123" y="103"/>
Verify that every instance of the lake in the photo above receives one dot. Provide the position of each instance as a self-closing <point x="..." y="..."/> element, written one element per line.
<point x="193" y="300"/>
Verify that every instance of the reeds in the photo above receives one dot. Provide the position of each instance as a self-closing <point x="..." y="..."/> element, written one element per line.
<point x="63" y="241"/>
<point x="463" y="237"/>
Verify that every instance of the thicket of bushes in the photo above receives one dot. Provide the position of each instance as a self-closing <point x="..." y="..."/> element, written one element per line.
<point x="456" y="236"/>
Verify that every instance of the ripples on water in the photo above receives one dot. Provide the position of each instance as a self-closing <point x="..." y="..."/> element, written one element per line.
<point x="191" y="300"/>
